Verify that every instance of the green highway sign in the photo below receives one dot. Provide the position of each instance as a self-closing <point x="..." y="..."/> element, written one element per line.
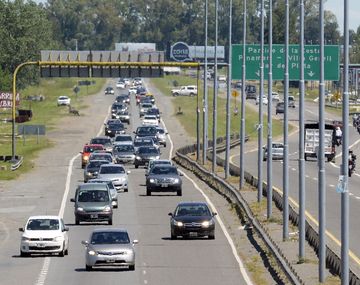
<point x="311" y="64"/>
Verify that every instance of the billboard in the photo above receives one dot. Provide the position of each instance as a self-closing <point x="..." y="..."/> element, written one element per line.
<point x="135" y="47"/>
<point x="6" y="99"/>
<point x="198" y="52"/>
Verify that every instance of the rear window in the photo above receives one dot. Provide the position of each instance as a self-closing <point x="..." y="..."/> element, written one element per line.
<point x="112" y="169"/>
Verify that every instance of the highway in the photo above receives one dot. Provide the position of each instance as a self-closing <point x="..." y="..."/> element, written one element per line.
<point x="333" y="199"/>
<point x="47" y="190"/>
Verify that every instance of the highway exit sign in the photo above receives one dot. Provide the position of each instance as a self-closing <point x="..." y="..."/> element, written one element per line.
<point x="311" y="63"/>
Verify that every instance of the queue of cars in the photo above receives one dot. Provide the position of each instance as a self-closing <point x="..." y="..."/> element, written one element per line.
<point x="105" y="161"/>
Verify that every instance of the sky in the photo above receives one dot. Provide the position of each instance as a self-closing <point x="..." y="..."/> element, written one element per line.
<point x="337" y="7"/>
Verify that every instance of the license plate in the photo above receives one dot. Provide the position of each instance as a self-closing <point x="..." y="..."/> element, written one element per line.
<point x="164" y="185"/>
<point x="110" y="260"/>
<point x="40" y="245"/>
<point x="193" y="234"/>
<point x="94" y="216"/>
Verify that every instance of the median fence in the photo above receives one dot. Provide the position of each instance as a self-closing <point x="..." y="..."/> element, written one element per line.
<point x="234" y="195"/>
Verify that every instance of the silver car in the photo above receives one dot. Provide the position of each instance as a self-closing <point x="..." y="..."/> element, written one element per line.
<point x="161" y="136"/>
<point x="277" y="151"/>
<point x="113" y="192"/>
<point x="117" y="174"/>
<point x="109" y="247"/>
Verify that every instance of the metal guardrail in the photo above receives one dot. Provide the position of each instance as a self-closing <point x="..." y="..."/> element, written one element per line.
<point x="17" y="164"/>
<point x="232" y="194"/>
<point x="333" y="260"/>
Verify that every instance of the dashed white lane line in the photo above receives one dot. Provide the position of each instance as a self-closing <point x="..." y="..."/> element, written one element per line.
<point x="315" y="178"/>
<point x="293" y="169"/>
<point x="331" y="185"/>
<point x="351" y="194"/>
<point x="144" y="272"/>
<point x="307" y="176"/>
<point x="357" y="197"/>
<point x="145" y="282"/>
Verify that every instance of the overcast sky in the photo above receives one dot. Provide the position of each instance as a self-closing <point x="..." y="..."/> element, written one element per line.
<point x="337" y="7"/>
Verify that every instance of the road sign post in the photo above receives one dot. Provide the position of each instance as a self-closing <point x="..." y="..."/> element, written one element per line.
<point x="311" y="64"/>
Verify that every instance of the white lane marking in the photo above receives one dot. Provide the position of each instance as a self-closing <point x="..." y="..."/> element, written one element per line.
<point x="145" y="282"/>
<point x="331" y="185"/>
<point x="357" y="197"/>
<point x="46" y="264"/>
<point x="307" y="176"/>
<point x="315" y="178"/>
<point x="351" y="194"/>
<point x="144" y="272"/>
<point x="293" y="169"/>
<point x="170" y="140"/>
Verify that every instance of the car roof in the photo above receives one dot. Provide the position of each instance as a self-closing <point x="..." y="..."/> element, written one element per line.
<point x="192" y="204"/>
<point x="44" y="217"/>
<point x="109" y="230"/>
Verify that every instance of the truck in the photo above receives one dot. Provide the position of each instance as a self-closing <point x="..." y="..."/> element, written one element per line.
<point x="190" y="90"/>
<point x="312" y="141"/>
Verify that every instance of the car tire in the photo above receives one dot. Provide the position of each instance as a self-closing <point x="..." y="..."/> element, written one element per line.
<point x="173" y="237"/>
<point x="164" y="144"/>
<point x="88" y="267"/>
<point x="77" y="221"/>
<point x="136" y="166"/>
<point x="24" y="254"/>
<point x="211" y="236"/>
<point x="148" y="192"/>
<point x="62" y="253"/>
<point x="179" y="192"/>
<point x="132" y="267"/>
<point x="66" y="251"/>
<point x="110" y="222"/>
<point x="126" y="190"/>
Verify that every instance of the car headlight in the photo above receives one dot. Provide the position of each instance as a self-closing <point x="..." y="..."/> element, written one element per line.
<point x="157" y="157"/>
<point x="89" y="174"/>
<point x="178" y="224"/>
<point x="152" y="180"/>
<point x="109" y="131"/>
<point x="92" y="252"/>
<point x="138" y="157"/>
<point x="25" y="238"/>
<point x="79" y="209"/>
<point x="206" y="224"/>
<point x="59" y="238"/>
<point x="107" y="209"/>
<point x="176" y="180"/>
<point x="86" y="157"/>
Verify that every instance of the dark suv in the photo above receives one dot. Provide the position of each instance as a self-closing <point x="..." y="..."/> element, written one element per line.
<point x="250" y="91"/>
<point x="144" y="154"/>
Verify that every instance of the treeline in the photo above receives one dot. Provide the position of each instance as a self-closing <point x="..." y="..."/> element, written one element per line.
<point x="27" y="27"/>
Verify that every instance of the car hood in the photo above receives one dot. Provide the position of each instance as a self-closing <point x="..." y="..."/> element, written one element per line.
<point x="111" y="176"/>
<point x="89" y="206"/>
<point x="111" y="247"/>
<point x="192" y="219"/>
<point x="42" y="234"/>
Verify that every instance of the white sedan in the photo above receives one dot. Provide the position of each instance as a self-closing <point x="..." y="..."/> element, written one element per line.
<point x="44" y="234"/>
<point x="264" y="100"/>
<point x="63" y="101"/>
<point x="121" y="85"/>
<point x="150" y="120"/>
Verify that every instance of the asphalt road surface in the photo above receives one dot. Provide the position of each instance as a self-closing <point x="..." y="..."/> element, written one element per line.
<point x="48" y="189"/>
<point x="333" y="199"/>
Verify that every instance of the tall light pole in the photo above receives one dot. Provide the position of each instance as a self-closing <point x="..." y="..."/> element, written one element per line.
<point x="227" y="154"/>
<point x="243" y="83"/>
<point x="345" y="155"/>
<point x="214" y="136"/>
<point x="269" y="141"/>
<point x="261" y="95"/>
<point x="205" y="97"/>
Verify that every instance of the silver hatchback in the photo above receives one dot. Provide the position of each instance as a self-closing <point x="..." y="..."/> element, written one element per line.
<point x="109" y="247"/>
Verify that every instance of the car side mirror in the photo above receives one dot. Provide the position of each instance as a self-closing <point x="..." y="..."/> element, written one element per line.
<point x="114" y="199"/>
<point x="214" y="214"/>
<point x="66" y="229"/>
<point x="72" y="200"/>
<point x="135" y="241"/>
<point x="21" y="229"/>
<point x="181" y="174"/>
<point x="134" y="132"/>
<point x="85" y="242"/>
<point x="170" y="214"/>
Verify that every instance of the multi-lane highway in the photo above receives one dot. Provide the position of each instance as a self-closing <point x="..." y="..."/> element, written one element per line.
<point x="48" y="188"/>
<point x="333" y="199"/>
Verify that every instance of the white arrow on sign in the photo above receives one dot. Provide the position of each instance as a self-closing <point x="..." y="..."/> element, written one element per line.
<point x="311" y="73"/>
<point x="257" y="73"/>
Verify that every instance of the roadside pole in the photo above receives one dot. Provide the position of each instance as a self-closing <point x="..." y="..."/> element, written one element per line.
<point x="197" y="115"/>
<point x="227" y="154"/>
<point x="286" y="120"/>
<point x="269" y="142"/>
<point x="321" y="157"/>
<point x="243" y="83"/>
<point x="261" y="94"/>
<point x="345" y="155"/>
<point x="214" y="133"/>
<point x="301" y="140"/>
<point x="205" y="97"/>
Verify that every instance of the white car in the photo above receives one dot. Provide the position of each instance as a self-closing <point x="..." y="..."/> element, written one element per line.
<point x="264" y="100"/>
<point x="44" y="234"/>
<point x="121" y="85"/>
<point x="132" y="90"/>
<point x="63" y="101"/>
<point x="117" y="174"/>
<point x="275" y="96"/>
<point x="150" y="120"/>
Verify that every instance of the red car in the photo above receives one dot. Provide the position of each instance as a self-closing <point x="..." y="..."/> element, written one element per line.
<point x="87" y="150"/>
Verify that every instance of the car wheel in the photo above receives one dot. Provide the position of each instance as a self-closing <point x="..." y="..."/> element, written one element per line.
<point x="110" y="222"/>
<point x="88" y="267"/>
<point x="212" y="236"/>
<point x="66" y="251"/>
<point x="132" y="267"/>
<point x="24" y="254"/>
<point x="126" y="190"/>
<point x="173" y="236"/>
<point x="82" y="166"/>
<point x="62" y="253"/>
<point x="136" y="166"/>
<point x="77" y="221"/>
<point x="264" y="158"/>
<point x="179" y="192"/>
<point x="164" y="144"/>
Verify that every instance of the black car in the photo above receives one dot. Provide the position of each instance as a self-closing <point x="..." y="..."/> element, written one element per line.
<point x="145" y="141"/>
<point x="116" y="107"/>
<point x="250" y="91"/>
<point x="192" y="219"/>
<point x="144" y="154"/>
<point x="140" y="90"/>
<point x="163" y="178"/>
<point x="109" y="90"/>
<point x="92" y="169"/>
<point x="155" y="112"/>
<point x="111" y="130"/>
<point x="280" y="107"/>
<point x="124" y="98"/>
<point x="146" y="131"/>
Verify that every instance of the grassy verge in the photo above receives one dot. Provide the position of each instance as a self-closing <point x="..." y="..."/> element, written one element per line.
<point x="188" y="107"/>
<point x="46" y="113"/>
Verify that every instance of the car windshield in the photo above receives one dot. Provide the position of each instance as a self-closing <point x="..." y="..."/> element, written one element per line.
<point x="110" y="238"/>
<point x="146" y="130"/>
<point x="146" y="105"/>
<point x="43" y="225"/>
<point x="163" y="170"/>
<point x="143" y="142"/>
<point x="99" y="156"/>
<point x="102" y="141"/>
<point x="148" y="150"/>
<point x="107" y="182"/>
<point x="124" y="148"/>
<point x="112" y="169"/>
<point x="192" y="210"/>
<point x="96" y="164"/>
<point x="93" y="196"/>
<point x="116" y="126"/>
<point x="277" y="145"/>
<point x="92" y="148"/>
<point x="123" y="138"/>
